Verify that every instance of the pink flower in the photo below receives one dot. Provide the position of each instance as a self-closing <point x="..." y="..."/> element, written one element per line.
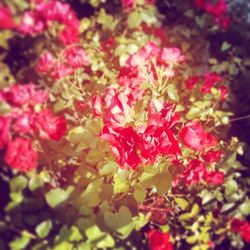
<point x="20" y="155"/>
<point x="192" y="81"/>
<point x="19" y="95"/>
<point x="242" y="227"/>
<point x="194" y="136"/>
<point x="56" y="11"/>
<point x="25" y="123"/>
<point x="4" y="131"/>
<point x="49" y="126"/>
<point x="170" y="55"/>
<point x="158" y="240"/>
<point x="69" y="35"/>
<point x="46" y="62"/>
<point x="97" y="106"/>
<point x="6" y="20"/>
<point x="128" y="3"/>
<point x="146" y="53"/>
<point x="125" y="145"/>
<point x="76" y="57"/>
<point x="61" y="70"/>
<point x="210" y="79"/>
<point x="31" y="24"/>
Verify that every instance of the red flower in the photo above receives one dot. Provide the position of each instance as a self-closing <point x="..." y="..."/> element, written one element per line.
<point x="20" y="155"/>
<point x="6" y="20"/>
<point x="194" y="136"/>
<point x="46" y="62"/>
<point x="212" y="156"/>
<point x="214" y="177"/>
<point x="242" y="227"/>
<point x="4" y="131"/>
<point x="125" y="145"/>
<point x="76" y="57"/>
<point x="210" y="79"/>
<point x="192" y="81"/>
<point x="128" y="3"/>
<point x="49" y="126"/>
<point x="158" y="240"/>
<point x="61" y="70"/>
<point x="223" y="92"/>
<point x="160" y="113"/>
<point x="158" y="141"/>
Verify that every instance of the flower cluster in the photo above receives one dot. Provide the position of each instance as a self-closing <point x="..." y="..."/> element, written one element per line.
<point x="242" y="227"/>
<point x="71" y="59"/>
<point x="25" y="122"/>
<point x="159" y="241"/>
<point x="218" y="10"/>
<point x="44" y="14"/>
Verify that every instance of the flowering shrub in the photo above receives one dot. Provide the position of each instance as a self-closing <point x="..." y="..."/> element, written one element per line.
<point x="115" y="137"/>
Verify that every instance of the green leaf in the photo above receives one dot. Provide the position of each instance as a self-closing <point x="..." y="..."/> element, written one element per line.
<point x="44" y="228"/>
<point x="191" y="239"/>
<point x="121" y="221"/>
<point x="20" y="243"/>
<point x="107" y="241"/>
<point x="231" y="187"/>
<point x="56" y="197"/>
<point x="195" y="210"/>
<point x="109" y="168"/>
<point x="182" y="203"/>
<point x="173" y="92"/>
<point x="225" y="46"/>
<point x="90" y="197"/>
<point x="163" y="182"/>
<point x="134" y="19"/>
<point x="18" y="183"/>
<point x="139" y="194"/>
<point x="245" y="208"/>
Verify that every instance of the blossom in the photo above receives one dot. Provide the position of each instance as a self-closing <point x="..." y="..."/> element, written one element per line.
<point x="20" y="155"/>
<point x="195" y="137"/>
<point x="46" y="62"/>
<point x="158" y="141"/>
<point x="160" y="113"/>
<point x="210" y="79"/>
<point x="125" y="145"/>
<point x="114" y="107"/>
<point x="19" y="95"/>
<point x="212" y="156"/>
<point x="61" y="70"/>
<point x="49" y="126"/>
<point x="170" y="55"/>
<point x="128" y="3"/>
<point x="214" y="177"/>
<point x="6" y="20"/>
<point x="25" y="122"/>
<point x="76" y="57"/>
<point x="192" y="81"/>
<point x="69" y="35"/>
<point x="31" y="23"/>
<point x="223" y="92"/>
<point x="4" y="131"/>
<point x="146" y="53"/>
<point x="242" y="227"/>
<point x="158" y="240"/>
